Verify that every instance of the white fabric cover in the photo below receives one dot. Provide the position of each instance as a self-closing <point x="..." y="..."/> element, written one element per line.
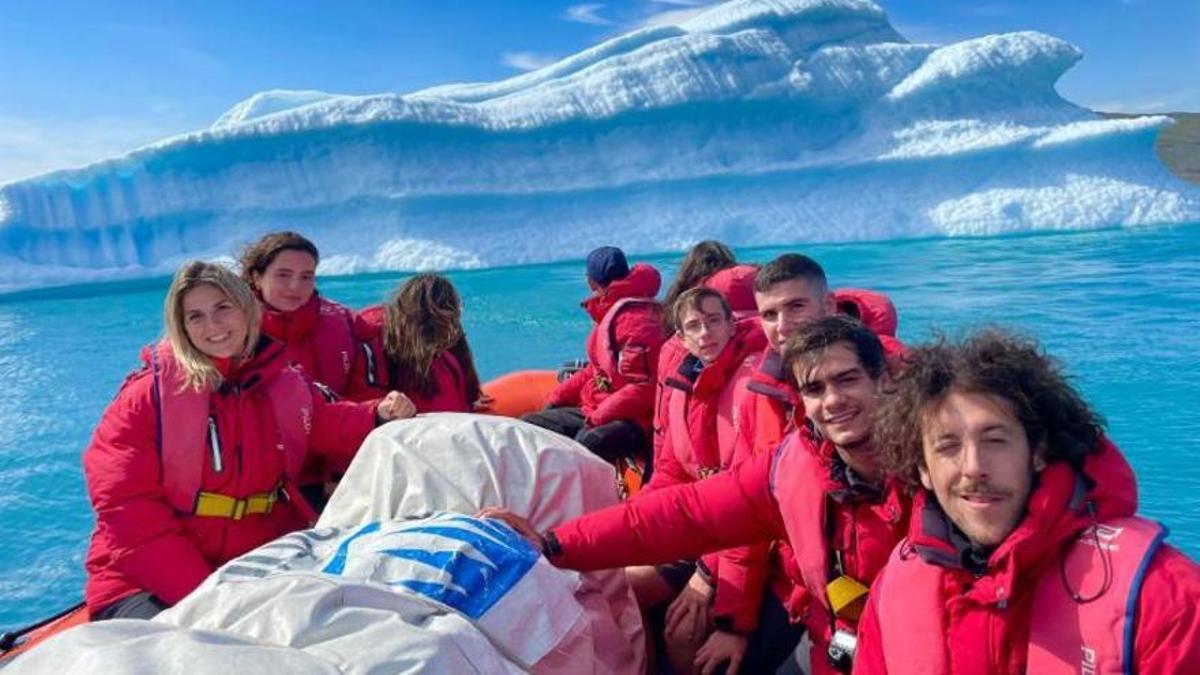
<point x="375" y="587"/>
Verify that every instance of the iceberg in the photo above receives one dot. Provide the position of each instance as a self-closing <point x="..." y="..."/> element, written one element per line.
<point x="758" y="122"/>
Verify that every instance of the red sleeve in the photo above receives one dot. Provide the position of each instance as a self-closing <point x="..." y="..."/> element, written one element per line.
<point x="631" y="402"/>
<point x="741" y="581"/>
<point x="742" y="572"/>
<point x="868" y="656"/>
<point x="339" y="427"/>
<point x="1167" y="638"/>
<point x="144" y="539"/>
<point x="570" y="391"/>
<point x="730" y="509"/>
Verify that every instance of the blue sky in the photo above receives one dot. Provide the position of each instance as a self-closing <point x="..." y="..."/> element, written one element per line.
<point x="82" y="80"/>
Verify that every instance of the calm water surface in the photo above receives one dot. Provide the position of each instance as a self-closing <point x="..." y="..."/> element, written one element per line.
<point x="1120" y="308"/>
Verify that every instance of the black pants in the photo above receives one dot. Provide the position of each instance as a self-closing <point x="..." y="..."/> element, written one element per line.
<point x="137" y="606"/>
<point x="611" y="441"/>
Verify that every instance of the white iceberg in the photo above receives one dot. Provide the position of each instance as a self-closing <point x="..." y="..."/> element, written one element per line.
<point x="757" y="122"/>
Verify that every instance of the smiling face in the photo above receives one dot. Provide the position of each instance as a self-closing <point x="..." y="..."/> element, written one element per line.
<point x="840" y="398"/>
<point x="289" y="281"/>
<point x="214" y="324"/>
<point x="979" y="464"/>
<point x="787" y="305"/>
<point x="706" y="329"/>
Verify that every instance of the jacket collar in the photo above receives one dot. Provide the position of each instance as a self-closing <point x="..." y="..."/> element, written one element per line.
<point x="643" y="282"/>
<point x="293" y="325"/>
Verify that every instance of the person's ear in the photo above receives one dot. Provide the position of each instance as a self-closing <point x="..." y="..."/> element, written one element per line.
<point x="1039" y="458"/>
<point x="925" y="479"/>
<point x="256" y="280"/>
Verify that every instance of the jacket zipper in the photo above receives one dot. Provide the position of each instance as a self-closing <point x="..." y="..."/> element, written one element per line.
<point x="214" y="441"/>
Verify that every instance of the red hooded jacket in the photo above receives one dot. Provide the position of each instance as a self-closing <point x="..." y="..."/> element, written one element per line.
<point x="736" y="285"/>
<point x="319" y="337"/>
<point x="770" y="496"/>
<point x="371" y="376"/>
<point x="987" y="616"/>
<point x="691" y="406"/>
<point x="632" y="343"/>
<point x="140" y="542"/>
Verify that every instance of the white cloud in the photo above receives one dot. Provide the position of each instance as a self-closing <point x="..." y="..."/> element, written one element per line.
<point x="672" y="17"/>
<point x="927" y="34"/>
<point x="29" y="147"/>
<point x="587" y="13"/>
<point x="527" y="60"/>
<point x="1180" y="100"/>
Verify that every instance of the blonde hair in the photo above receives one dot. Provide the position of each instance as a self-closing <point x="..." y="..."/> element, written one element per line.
<point x="199" y="371"/>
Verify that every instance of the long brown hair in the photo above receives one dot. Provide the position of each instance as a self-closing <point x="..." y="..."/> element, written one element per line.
<point x="421" y="322"/>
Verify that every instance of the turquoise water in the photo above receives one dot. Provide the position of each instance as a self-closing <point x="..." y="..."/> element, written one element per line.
<point x="1120" y="308"/>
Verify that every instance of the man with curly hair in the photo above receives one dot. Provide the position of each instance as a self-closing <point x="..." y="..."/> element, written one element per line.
<point x="1024" y="552"/>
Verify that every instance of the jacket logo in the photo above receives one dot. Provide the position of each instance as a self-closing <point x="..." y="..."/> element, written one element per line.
<point x="306" y="419"/>
<point x="465" y="563"/>
<point x="1088" y="664"/>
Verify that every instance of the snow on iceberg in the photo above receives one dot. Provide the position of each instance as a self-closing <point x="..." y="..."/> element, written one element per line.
<point x="757" y="122"/>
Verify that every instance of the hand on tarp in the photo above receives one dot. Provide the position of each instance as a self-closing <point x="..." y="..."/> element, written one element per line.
<point x="394" y="406"/>
<point x="483" y="404"/>
<point x="518" y="523"/>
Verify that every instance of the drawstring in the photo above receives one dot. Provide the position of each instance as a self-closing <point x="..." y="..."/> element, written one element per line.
<point x="1105" y="561"/>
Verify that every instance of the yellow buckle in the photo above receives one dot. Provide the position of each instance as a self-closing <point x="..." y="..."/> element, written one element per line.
<point x="216" y="505"/>
<point x="847" y="597"/>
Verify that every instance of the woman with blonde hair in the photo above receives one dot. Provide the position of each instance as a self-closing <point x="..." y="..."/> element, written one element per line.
<point x="195" y="460"/>
<point x="416" y="344"/>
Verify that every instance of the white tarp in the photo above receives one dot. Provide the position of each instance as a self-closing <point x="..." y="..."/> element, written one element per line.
<point x="394" y="578"/>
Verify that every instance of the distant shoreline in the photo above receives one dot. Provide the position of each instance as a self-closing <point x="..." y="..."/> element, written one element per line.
<point x="1178" y="146"/>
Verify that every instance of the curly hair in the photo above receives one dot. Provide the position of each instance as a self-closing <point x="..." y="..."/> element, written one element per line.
<point x="994" y="362"/>
<point x="423" y="321"/>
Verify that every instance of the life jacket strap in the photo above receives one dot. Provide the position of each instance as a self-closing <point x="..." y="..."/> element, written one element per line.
<point x="216" y="505"/>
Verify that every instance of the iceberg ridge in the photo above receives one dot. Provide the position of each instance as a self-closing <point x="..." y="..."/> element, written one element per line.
<point x="757" y="122"/>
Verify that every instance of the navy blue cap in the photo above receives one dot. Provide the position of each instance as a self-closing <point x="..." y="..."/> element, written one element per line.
<point x="607" y="264"/>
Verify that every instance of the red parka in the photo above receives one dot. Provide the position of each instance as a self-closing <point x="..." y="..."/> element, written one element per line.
<point x="736" y="285"/>
<point x="778" y="495"/>
<point x="697" y="409"/>
<point x="987" y="616"/>
<point x="624" y="390"/>
<point x="319" y="337"/>
<point x="141" y="543"/>
<point x="371" y="375"/>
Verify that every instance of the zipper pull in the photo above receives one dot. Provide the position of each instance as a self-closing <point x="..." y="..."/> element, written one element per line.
<point x="214" y="440"/>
